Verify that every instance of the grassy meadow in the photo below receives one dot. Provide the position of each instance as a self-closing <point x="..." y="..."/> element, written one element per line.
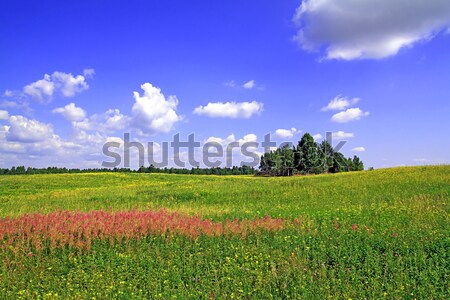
<point x="381" y="234"/>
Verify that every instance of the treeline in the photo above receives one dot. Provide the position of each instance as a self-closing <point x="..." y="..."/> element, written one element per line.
<point x="243" y="170"/>
<point x="308" y="157"/>
<point x="21" y="170"/>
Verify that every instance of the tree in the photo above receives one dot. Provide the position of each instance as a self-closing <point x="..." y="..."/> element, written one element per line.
<point x="326" y="154"/>
<point x="357" y="164"/>
<point x="307" y="158"/>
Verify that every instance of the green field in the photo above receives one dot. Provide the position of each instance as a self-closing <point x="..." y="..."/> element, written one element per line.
<point x="371" y="234"/>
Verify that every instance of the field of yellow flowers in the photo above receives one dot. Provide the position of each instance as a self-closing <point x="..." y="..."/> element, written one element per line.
<point x="380" y="234"/>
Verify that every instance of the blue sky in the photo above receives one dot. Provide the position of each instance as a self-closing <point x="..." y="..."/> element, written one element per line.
<point x="226" y="71"/>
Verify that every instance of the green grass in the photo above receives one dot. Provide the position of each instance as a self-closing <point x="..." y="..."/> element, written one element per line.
<point x="406" y="256"/>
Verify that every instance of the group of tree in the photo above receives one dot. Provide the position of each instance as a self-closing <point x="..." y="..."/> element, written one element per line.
<point x="235" y="170"/>
<point x="21" y="170"/>
<point x="308" y="157"/>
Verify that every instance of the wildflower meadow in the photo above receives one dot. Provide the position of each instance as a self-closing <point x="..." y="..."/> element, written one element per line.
<point x="381" y="234"/>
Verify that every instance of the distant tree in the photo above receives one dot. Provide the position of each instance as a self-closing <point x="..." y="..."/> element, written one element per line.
<point x="326" y="154"/>
<point x="307" y="158"/>
<point x="357" y="164"/>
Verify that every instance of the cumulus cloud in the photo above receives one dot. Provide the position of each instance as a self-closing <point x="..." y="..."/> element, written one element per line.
<point x="9" y="147"/>
<point x="348" y="29"/>
<point x="41" y="88"/>
<point x="109" y="121"/>
<point x="223" y="141"/>
<point x="340" y="135"/>
<point x="23" y="130"/>
<point x="4" y="115"/>
<point x="340" y="103"/>
<point x="64" y="83"/>
<point x="286" y="133"/>
<point x="248" y="138"/>
<point x="249" y="84"/>
<point x="230" y="109"/>
<point x="232" y="154"/>
<point x="348" y="115"/>
<point x="317" y="137"/>
<point x="69" y="84"/>
<point x="154" y="113"/>
<point x="359" y="149"/>
<point x="71" y="112"/>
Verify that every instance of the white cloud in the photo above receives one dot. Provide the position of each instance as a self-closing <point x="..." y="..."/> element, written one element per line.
<point x="41" y="88"/>
<point x="27" y="131"/>
<point x="339" y="135"/>
<point x="8" y="93"/>
<point x="71" y="112"/>
<point x="89" y="73"/>
<point x="9" y="147"/>
<point x="233" y="154"/>
<point x="223" y="141"/>
<point x="340" y="103"/>
<point x="4" y="115"/>
<point x="317" y="137"/>
<point x="64" y="83"/>
<point x="110" y="121"/>
<point x="17" y="104"/>
<point x="350" y="114"/>
<point x="349" y="29"/>
<point x="153" y="113"/>
<point x="286" y="133"/>
<point x="68" y="84"/>
<point x="230" y="109"/>
<point x="359" y="149"/>
<point x="249" y="84"/>
<point x="251" y="137"/>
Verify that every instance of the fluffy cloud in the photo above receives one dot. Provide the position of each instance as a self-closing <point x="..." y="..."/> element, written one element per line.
<point x="71" y="112"/>
<point x="317" y="137"/>
<point x="27" y="131"/>
<point x="4" y="115"/>
<point x="152" y="112"/>
<point x="359" y="149"/>
<point x="349" y="29"/>
<point x="19" y="104"/>
<point x="339" y="135"/>
<point x="286" y="133"/>
<point x="340" y="103"/>
<point x="110" y="121"/>
<point x="9" y="147"/>
<point x="350" y="114"/>
<point x="68" y="84"/>
<point x="230" y="109"/>
<point x="234" y="155"/>
<point x="223" y="141"/>
<point x="64" y="83"/>
<point x="249" y="84"/>
<point x="41" y="88"/>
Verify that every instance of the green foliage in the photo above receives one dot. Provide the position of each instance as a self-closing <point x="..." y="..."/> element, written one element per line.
<point x="307" y="158"/>
<point x="242" y="170"/>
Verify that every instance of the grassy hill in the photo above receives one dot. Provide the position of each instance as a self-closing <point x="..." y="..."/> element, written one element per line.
<point x="371" y="234"/>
